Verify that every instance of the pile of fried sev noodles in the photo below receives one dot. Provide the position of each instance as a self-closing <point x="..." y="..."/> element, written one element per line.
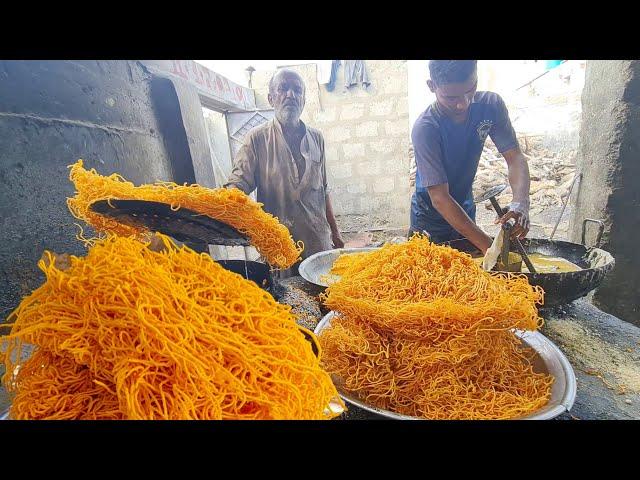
<point x="130" y="332"/>
<point x="423" y="331"/>
<point x="340" y="266"/>
<point x="231" y="206"/>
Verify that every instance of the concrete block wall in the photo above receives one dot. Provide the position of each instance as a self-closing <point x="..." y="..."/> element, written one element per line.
<point x="367" y="139"/>
<point x="608" y="158"/>
<point x="112" y="114"/>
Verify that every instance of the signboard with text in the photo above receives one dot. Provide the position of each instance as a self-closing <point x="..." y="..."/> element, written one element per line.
<point x="220" y="91"/>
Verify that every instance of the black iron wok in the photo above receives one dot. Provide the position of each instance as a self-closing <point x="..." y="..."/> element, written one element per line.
<point x="565" y="287"/>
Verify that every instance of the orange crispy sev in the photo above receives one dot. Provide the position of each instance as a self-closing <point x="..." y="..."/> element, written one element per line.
<point x="231" y="206"/>
<point x="133" y="333"/>
<point x="424" y="331"/>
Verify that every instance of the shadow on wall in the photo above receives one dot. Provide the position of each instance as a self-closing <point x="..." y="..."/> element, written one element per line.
<point x="112" y="114"/>
<point x="171" y="129"/>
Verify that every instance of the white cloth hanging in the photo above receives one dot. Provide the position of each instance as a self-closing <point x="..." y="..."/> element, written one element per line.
<point x="324" y="71"/>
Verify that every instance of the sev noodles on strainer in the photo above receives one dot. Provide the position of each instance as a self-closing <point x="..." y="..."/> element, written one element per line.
<point x="228" y="205"/>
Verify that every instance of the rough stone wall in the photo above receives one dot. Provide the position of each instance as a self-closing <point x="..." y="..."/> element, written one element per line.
<point x="367" y="140"/>
<point x="51" y="114"/>
<point x="609" y="159"/>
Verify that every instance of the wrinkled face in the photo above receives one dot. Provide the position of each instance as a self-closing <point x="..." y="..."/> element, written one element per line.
<point x="287" y="97"/>
<point x="455" y="98"/>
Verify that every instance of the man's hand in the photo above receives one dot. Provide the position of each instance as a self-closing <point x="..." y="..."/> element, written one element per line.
<point x="520" y="213"/>
<point x="337" y="240"/>
<point x="518" y="168"/>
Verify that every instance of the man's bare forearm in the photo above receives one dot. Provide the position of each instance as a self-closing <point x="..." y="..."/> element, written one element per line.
<point x="336" y="239"/>
<point x="518" y="171"/>
<point x="520" y="183"/>
<point x="455" y="216"/>
<point x="330" y="217"/>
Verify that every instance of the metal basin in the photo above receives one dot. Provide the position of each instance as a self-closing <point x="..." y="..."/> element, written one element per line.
<point x="549" y="359"/>
<point x="319" y="264"/>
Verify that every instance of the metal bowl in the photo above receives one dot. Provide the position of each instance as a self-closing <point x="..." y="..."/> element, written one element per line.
<point x="319" y="264"/>
<point x="549" y="359"/>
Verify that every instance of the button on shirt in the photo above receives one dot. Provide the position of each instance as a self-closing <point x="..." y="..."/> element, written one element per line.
<point x="265" y="162"/>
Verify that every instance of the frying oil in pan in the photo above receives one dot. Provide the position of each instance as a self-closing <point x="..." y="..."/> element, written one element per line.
<point x="545" y="264"/>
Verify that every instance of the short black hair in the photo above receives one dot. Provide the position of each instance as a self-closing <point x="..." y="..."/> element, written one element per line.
<point x="444" y="72"/>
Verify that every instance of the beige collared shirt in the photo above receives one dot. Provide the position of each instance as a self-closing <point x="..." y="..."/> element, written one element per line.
<point x="264" y="162"/>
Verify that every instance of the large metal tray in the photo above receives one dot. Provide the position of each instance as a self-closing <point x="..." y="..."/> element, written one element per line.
<point x="549" y="359"/>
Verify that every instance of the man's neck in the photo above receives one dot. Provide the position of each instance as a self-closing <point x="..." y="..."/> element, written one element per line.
<point x="455" y="119"/>
<point x="292" y="128"/>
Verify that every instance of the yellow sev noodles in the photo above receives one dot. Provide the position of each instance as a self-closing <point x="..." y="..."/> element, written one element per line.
<point x="423" y="331"/>
<point x="131" y="333"/>
<point x="340" y="266"/>
<point x="231" y="206"/>
<point x="344" y="261"/>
